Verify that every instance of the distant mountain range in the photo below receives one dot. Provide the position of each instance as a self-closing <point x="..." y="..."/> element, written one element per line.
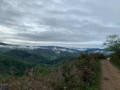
<point x="55" y="49"/>
<point x="3" y="44"/>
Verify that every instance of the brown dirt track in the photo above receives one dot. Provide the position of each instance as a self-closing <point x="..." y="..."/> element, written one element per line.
<point x="110" y="76"/>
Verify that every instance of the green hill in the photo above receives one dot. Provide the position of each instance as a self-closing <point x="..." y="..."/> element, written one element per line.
<point x="27" y="57"/>
<point x="9" y="66"/>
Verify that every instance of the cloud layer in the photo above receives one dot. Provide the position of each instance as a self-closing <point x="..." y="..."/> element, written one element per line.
<point x="73" y="23"/>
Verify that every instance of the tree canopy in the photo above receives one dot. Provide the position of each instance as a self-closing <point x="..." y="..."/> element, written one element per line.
<point x="112" y="43"/>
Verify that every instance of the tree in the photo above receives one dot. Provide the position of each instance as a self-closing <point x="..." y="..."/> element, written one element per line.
<point x="112" y="43"/>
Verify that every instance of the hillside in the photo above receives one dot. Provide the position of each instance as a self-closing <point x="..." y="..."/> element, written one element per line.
<point x="25" y="56"/>
<point x="12" y="65"/>
<point x="81" y="74"/>
<point x="39" y="56"/>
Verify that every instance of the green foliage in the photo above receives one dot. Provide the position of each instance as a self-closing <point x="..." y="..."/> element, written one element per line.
<point x="25" y="56"/>
<point x="41" y="71"/>
<point x="81" y="74"/>
<point x="40" y="58"/>
<point x="112" y="43"/>
<point x="115" y="58"/>
<point x="10" y="66"/>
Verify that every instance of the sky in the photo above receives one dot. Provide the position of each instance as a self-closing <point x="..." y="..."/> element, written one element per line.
<point x="69" y="23"/>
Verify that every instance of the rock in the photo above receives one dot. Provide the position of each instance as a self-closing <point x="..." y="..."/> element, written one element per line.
<point x="106" y="78"/>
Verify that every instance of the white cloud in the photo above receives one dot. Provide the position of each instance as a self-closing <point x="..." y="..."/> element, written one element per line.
<point x="60" y="22"/>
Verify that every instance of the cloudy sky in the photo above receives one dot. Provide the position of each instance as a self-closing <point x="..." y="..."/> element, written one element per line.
<point x="70" y="23"/>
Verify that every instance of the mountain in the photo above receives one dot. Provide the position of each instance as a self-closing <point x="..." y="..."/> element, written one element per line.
<point x="3" y="43"/>
<point x="40" y="56"/>
<point x="52" y="49"/>
<point x="25" y="56"/>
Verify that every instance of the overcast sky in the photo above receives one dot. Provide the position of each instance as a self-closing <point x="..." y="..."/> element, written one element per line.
<point x="70" y="23"/>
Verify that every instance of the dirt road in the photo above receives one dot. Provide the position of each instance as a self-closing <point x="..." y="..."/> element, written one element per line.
<point x="110" y="76"/>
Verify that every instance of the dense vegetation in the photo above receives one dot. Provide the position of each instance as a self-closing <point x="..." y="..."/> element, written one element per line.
<point x="82" y="73"/>
<point x="10" y="65"/>
<point x="115" y="58"/>
<point x="25" y="56"/>
<point x="37" y="58"/>
<point x="113" y="44"/>
<point x="47" y="69"/>
<point x="19" y="60"/>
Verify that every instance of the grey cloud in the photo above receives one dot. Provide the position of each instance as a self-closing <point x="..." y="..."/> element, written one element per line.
<point x="59" y="21"/>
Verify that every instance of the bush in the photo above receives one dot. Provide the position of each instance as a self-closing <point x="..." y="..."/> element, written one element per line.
<point x="82" y="74"/>
<point x="115" y="58"/>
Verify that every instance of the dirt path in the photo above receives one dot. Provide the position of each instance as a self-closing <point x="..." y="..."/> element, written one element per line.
<point x="110" y="76"/>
